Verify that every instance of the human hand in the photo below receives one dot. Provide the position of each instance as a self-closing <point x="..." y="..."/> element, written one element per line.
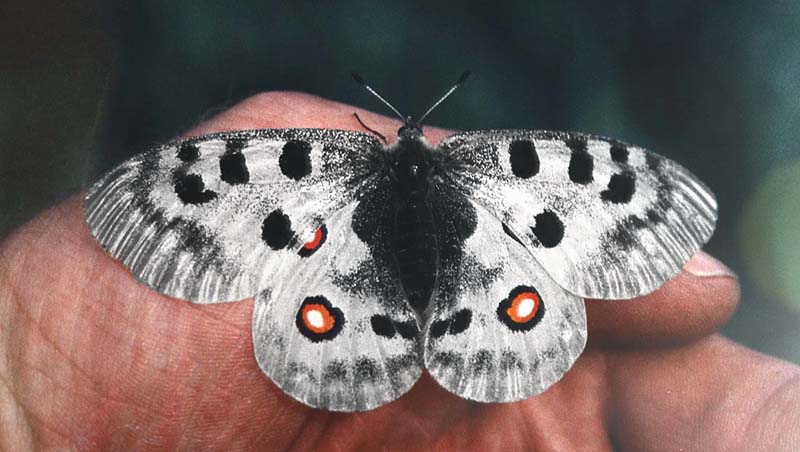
<point x="92" y="360"/>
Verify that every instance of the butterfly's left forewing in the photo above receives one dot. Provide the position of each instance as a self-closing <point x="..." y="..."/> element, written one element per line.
<point x="208" y="219"/>
<point x="334" y="330"/>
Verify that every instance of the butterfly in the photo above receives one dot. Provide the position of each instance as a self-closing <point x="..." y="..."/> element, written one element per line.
<point x="372" y="262"/>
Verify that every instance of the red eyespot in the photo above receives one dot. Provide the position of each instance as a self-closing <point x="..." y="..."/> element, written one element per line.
<point x="312" y="246"/>
<point x="317" y="318"/>
<point x="523" y="307"/>
<point x="522" y="310"/>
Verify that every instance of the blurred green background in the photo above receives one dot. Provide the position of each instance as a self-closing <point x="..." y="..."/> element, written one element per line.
<point x="713" y="86"/>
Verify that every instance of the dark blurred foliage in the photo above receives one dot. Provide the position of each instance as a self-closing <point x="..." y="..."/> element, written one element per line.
<point x="713" y="86"/>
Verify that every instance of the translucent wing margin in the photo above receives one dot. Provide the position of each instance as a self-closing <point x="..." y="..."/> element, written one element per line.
<point x="207" y="219"/>
<point x="604" y="218"/>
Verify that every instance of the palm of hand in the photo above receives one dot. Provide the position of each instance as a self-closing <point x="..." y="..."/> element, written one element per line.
<point x="94" y="360"/>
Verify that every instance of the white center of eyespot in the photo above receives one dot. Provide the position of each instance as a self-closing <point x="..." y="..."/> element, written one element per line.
<point x="525" y="307"/>
<point x="315" y="319"/>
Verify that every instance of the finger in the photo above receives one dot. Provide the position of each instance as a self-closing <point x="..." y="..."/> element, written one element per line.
<point x="300" y="110"/>
<point x="712" y="395"/>
<point x="95" y="355"/>
<point x="695" y="303"/>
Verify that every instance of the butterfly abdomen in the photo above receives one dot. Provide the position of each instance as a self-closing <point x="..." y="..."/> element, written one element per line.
<point x="414" y="242"/>
<point x="415" y="249"/>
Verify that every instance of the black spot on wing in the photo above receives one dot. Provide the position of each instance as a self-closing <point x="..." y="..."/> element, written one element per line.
<point x="581" y="163"/>
<point x="335" y="371"/>
<point x="276" y="230"/>
<point x="524" y="159"/>
<point x="382" y="326"/>
<point x="408" y="329"/>
<point x="482" y="362"/>
<point x="653" y="162"/>
<point x="654" y="216"/>
<point x="455" y="324"/>
<point x="300" y="371"/>
<point x="295" y="160"/>
<point x="192" y="237"/>
<point x="620" y="188"/>
<point x="549" y="230"/>
<point x="188" y="152"/>
<point x="190" y="189"/>
<point x="510" y="361"/>
<point x="619" y="152"/>
<point x="580" y="168"/>
<point x="195" y="239"/>
<point x="232" y="164"/>
<point x="439" y="328"/>
<point x="624" y="234"/>
<point x="460" y="321"/>
<point x="366" y="370"/>
<point x="396" y="366"/>
<point x="449" y="360"/>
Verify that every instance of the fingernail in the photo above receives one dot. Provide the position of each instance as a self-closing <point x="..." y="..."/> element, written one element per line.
<point x="705" y="266"/>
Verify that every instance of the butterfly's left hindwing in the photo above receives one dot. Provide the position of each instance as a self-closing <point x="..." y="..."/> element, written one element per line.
<point x="207" y="219"/>
<point x="504" y="330"/>
<point x="332" y="338"/>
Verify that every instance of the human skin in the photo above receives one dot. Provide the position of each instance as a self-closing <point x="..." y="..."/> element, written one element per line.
<point x="90" y="359"/>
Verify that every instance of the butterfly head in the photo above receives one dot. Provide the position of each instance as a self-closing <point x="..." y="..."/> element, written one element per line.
<point x="411" y="130"/>
<point x="411" y="163"/>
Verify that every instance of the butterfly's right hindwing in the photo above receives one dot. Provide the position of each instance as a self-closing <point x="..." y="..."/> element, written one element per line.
<point x="209" y="219"/>
<point x="503" y="330"/>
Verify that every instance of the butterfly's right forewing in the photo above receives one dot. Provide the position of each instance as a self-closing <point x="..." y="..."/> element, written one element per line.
<point x="605" y="219"/>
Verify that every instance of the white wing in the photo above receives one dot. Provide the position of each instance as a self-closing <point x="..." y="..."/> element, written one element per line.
<point x="603" y="218"/>
<point x="209" y="219"/>
<point x="334" y="330"/>
<point x="502" y="330"/>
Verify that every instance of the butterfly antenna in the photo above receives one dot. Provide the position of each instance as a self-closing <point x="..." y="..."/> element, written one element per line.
<point x="455" y="86"/>
<point x="361" y="82"/>
<point x="370" y="129"/>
